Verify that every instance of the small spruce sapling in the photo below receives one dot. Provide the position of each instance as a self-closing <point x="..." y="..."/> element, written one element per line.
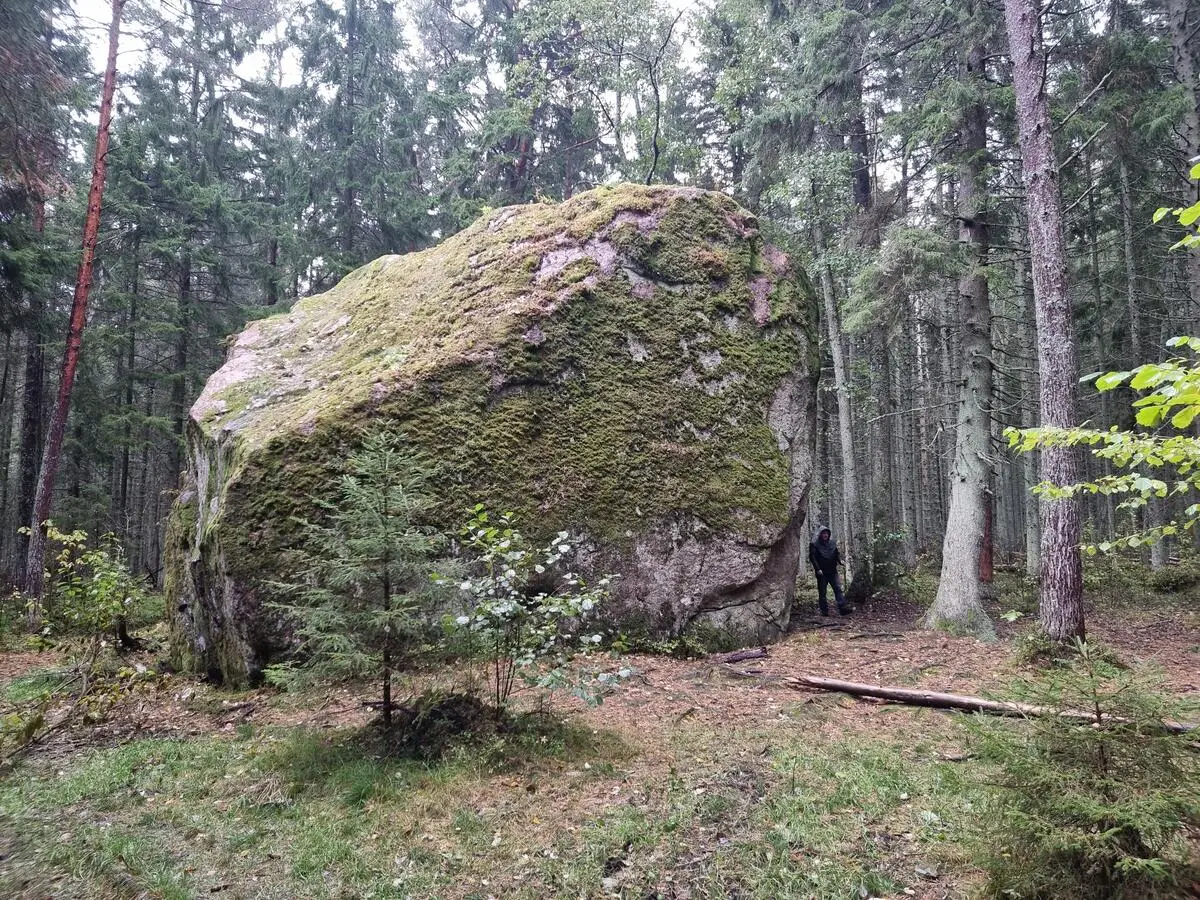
<point x="1102" y="808"/>
<point x="364" y="574"/>
<point x="523" y="616"/>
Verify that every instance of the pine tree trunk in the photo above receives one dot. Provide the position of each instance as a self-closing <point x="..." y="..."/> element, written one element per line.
<point x="1131" y="298"/>
<point x="1183" y="18"/>
<point x="127" y="409"/>
<point x="858" y="561"/>
<point x="1154" y="512"/>
<point x="179" y="384"/>
<point x="35" y="560"/>
<point x="31" y="400"/>
<point x="5" y="456"/>
<point x="349" y="204"/>
<point x="30" y="440"/>
<point x="958" y="606"/>
<point x="1061" y="612"/>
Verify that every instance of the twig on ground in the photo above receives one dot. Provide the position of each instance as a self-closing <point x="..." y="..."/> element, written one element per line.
<point x="862" y="635"/>
<point x="756" y="653"/>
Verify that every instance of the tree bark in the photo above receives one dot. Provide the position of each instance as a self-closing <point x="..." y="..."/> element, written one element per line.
<point x="958" y="606"/>
<point x="858" y="561"/>
<point x="35" y="560"/>
<point x="1061" y="613"/>
<point x="30" y="440"/>
<point x="1131" y="298"/>
<point x="1183" y="19"/>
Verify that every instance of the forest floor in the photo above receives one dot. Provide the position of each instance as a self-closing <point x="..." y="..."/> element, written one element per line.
<point x="692" y="780"/>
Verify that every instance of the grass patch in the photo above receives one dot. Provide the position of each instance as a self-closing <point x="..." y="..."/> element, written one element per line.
<point x="314" y="813"/>
<point x="33" y="685"/>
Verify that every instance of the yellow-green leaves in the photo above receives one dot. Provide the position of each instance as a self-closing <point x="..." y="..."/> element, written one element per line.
<point x="1187" y="216"/>
<point x="1110" y="380"/>
<point x="1171" y="396"/>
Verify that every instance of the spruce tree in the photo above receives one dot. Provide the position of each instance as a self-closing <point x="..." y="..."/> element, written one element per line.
<point x="366" y="572"/>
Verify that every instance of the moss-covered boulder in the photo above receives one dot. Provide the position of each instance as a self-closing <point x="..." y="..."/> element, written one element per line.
<point x="634" y="366"/>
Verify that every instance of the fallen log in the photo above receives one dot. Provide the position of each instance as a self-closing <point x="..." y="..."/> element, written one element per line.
<point x="962" y="702"/>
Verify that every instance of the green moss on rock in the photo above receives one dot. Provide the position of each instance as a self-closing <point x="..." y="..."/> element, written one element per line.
<point x="631" y="365"/>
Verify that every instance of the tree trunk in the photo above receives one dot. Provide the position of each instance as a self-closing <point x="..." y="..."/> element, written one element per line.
<point x="35" y="560"/>
<point x="30" y="439"/>
<point x="958" y="606"/>
<point x="127" y="409"/>
<point x="858" y="562"/>
<point x="179" y="384"/>
<point x="349" y="206"/>
<point x="1131" y="298"/>
<point x="1062" y="572"/>
<point x="5" y="456"/>
<point x="1183" y="19"/>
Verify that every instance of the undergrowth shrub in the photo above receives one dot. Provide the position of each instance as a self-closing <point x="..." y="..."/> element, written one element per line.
<point x="1096" y="799"/>
<point x="525" y="615"/>
<point x="919" y="587"/>
<point x="90" y="597"/>
<point x="887" y="563"/>
<point x="697" y="640"/>
<point x="1176" y="579"/>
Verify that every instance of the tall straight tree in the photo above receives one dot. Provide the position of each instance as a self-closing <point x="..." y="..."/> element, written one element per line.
<point x="35" y="560"/>
<point x="959" y="603"/>
<point x="1061" y="608"/>
<point x="39" y="66"/>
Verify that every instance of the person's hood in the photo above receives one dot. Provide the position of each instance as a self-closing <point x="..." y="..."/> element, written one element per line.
<point x="826" y="548"/>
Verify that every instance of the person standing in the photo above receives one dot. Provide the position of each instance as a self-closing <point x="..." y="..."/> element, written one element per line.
<point x="825" y="559"/>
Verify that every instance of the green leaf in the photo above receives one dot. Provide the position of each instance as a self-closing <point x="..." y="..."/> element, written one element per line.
<point x="1183" y="418"/>
<point x="1144" y="376"/>
<point x="1110" y="380"/>
<point x="1160" y="213"/>
<point x="1150" y="416"/>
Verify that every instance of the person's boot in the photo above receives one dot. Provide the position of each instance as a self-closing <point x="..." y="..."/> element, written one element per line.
<point x="824" y="609"/>
<point x="845" y="610"/>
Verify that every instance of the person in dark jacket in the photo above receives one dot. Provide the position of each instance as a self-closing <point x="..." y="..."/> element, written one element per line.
<point x="825" y="559"/>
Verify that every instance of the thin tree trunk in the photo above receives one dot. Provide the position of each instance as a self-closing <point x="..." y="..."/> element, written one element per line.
<point x="858" y="561"/>
<point x="1061" y="612"/>
<point x="906" y="463"/>
<point x="130" y="366"/>
<point x="31" y="400"/>
<point x="179" y="386"/>
<point x="959" y="603"/>
<point x="349" y="207"/>
<point x="35" y="561"/>
<point x="1155" y="510"/>
<point x="1183" y="19"/>
<point x="967" y="703"/>
<point x="5" y="459"/>
<point x="1131" y="298"/>
<point x="30" y="439"/>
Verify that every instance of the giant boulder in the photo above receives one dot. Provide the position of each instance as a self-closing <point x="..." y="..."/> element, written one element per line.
<point x="634" y="366"/>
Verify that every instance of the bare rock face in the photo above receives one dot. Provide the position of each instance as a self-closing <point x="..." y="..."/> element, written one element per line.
<point x="633" y="366"/>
